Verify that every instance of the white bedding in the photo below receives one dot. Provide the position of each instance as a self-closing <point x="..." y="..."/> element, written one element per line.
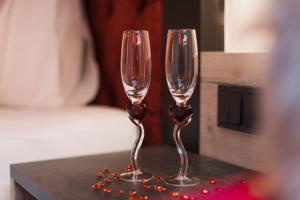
<point x="30" y="135"/>
<point x="46" y="42"/>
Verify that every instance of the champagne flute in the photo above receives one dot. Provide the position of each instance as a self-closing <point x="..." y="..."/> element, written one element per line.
<point x="136" y="76"/>
<point x="181" y="73"/>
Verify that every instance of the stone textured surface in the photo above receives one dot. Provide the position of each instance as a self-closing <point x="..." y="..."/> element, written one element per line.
<point x="71" y="178"/>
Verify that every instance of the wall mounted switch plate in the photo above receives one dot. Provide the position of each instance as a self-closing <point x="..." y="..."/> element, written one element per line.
<point x="237" y="108"/>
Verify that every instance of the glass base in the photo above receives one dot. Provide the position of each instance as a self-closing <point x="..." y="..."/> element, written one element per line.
<point x="181" y="181"/>
<point x="136" y="176"/>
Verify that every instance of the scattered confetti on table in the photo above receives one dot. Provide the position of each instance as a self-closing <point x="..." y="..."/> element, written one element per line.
<point x="212" y="190"/>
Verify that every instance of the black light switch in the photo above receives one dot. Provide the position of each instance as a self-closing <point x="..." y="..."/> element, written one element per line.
<point x="224" y="107"/>
<point x="237" y="108"/>
<point x="251" y="110"/>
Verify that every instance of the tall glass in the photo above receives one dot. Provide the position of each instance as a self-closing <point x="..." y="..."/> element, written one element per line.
<point x="136" y="76"/>
<point x="181" y="73"/>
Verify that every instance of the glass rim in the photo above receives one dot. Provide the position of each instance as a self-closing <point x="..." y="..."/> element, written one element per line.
<point x="181" y="29"/>
<point x="132" y="31"/>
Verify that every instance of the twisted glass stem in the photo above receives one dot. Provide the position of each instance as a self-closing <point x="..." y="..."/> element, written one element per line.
<point x="182" y="153"/>
<point x="184" y="161"/>
<point x="137" y="145"/>
<point x="136" y="113"/>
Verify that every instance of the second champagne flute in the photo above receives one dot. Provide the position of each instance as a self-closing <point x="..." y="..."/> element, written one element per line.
<point x="136" y="76"/>
<point x="181" y="74"/>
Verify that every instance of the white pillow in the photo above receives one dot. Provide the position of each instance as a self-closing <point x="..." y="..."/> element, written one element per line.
<point x="46" y="54"/>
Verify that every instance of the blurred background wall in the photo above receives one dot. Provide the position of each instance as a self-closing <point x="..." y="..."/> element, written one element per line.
<point x="246" y="26"/>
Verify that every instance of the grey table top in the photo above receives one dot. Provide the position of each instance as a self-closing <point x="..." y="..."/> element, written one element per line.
<point x="71" y="178"/>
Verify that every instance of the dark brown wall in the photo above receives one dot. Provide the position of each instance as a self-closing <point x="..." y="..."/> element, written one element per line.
<point x="182" y="14"/>
<point x="206" y="16"/>
<point x="212" y="25"/>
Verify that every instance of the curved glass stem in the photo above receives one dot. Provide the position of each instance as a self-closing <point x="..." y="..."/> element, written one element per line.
<point x="182" y="153"/>
<point x="137" y="145"/>
<point x="181" y="149"/>
<point x="182" y="179"/>
<point x="136" y="113"/>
